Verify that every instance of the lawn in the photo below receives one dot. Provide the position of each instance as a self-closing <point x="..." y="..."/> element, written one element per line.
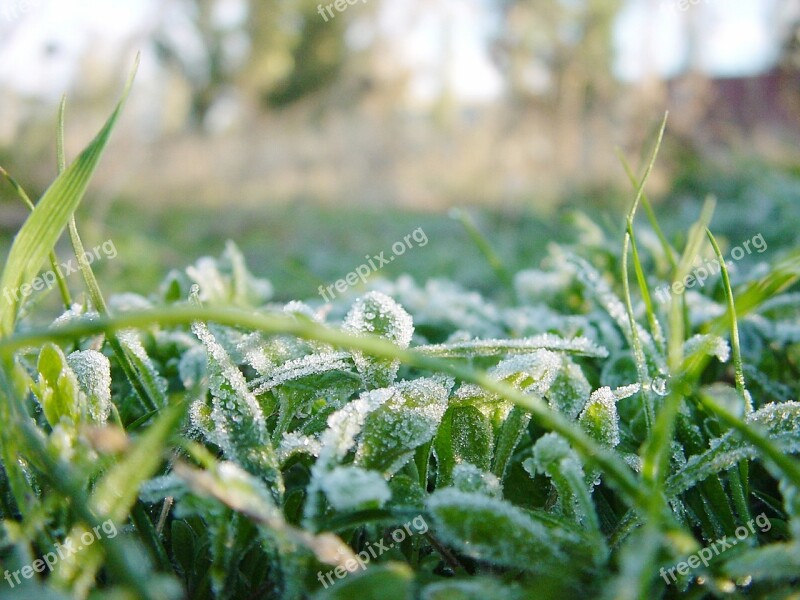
<point x="506" y="409"/>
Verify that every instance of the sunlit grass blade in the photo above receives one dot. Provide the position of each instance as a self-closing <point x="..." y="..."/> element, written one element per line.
<point x="62" y="284"/>
<point x="618" y="473"/>
<point x="38" y="235"/>
<point x="677" y="323"/>
<point x="144" y="386"/>
<point x="735" y="345"/>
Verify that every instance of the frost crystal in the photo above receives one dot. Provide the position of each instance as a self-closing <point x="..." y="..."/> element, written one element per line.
<point x="294" y="443"/>
<point x="490" y="529"/>
<point x="301" y="308"/>
<point x="346" y="423"/>
<point x="312" y="364"/>
<point x="570" y="390"/>
<point x="710" y="345"/>
<point x="443" y="302"/>
<point x="496" y="347"/>
<point x="599" y="418"/>
<point x="534" y="372"/>
<point x="409" y="418"/>
<point x="93" y="372"/>
<point x="781" y="422"/>
<point x="239" y="425"/>
<point x="129" y="339"/>
<point x="227" y="280"/>
<point x="553" y="456"/>
<point x="378" y="314"/>
<point x="353" y="488"/>
<point x="469" y="478"/>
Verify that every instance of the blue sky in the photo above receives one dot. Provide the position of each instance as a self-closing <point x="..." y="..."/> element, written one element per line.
<point x="734" y="39"/>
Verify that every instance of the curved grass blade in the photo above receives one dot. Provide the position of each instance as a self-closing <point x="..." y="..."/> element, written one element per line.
<point x="62" y="284"/>
<point x="40" y="232"/>
<point x="619" y="474"/>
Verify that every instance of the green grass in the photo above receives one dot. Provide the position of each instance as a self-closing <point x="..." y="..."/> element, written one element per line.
<point x="528" y="422"/>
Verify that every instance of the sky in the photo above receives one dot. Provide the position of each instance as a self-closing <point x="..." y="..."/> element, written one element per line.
<point x="734" y="39"/>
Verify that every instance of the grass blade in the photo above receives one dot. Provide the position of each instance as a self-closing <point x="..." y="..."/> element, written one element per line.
<point x="40" y="232"/>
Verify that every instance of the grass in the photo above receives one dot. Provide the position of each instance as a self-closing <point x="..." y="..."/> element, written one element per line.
<point x="548" y="429"/>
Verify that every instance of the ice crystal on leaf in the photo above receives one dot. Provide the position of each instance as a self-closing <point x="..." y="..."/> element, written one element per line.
<point x="309" y="365"/>
<point x="346" y="423"/>
<point x="570" y="389"/>
<point x="93" y="371"/>
<point x="469" y="478"/>
<point x="377" y="314"/>
<point x="354" y="488"/>
<point x="227" y="280"/>
<point x="533" y="372"/>
<point x="408" y="418"/>
<point x="294" y="443"/>
<point x="489" y="529"/>
<point x="553" y="456"/>
<point x="239" y="425"/>
<point x="599" y="417"/>
<point x="709" y="345"/>
<point x="444" y="302"/>
<point x="496" y="347"/>
<point x="781" y="424"/>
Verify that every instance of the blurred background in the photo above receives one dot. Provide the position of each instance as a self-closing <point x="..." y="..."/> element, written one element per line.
<point x="285" y="124"/>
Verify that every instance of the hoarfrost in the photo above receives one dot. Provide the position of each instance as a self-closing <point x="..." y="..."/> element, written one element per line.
<point x="346" y="423"/>
<point x="497" y="347"/>
<point x="599" y="418"/>
<point x="710" y="345"/>
<point x="295" y="443"/>
<point x="376" y="313"/>
<point x="409" y="417"/>
<point x="93" y="371"/>
<point x="570" y="390"/>
<point x="312" y="364"/>
<point x="353" y="488"/>
<point x="469" y="478"/>
<point x="534" y="372"/>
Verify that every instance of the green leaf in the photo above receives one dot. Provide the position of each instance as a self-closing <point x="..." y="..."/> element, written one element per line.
<point x="499" y="533"/>
<point x="409" y="418"/>
<point x="599" y="418"/>
<point x="511" y="432"/>
<point x="57" y="389"/>
<point x="776" y="562"/>
<point x="553" y="457"/>
<point x="239" y="423"/>
<point x="465" y="435"/>
<point x="40" y="232"/>
<point x="93" y="371"/>
<point x="570" y="390"/>
<point x="780" y="423"/>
